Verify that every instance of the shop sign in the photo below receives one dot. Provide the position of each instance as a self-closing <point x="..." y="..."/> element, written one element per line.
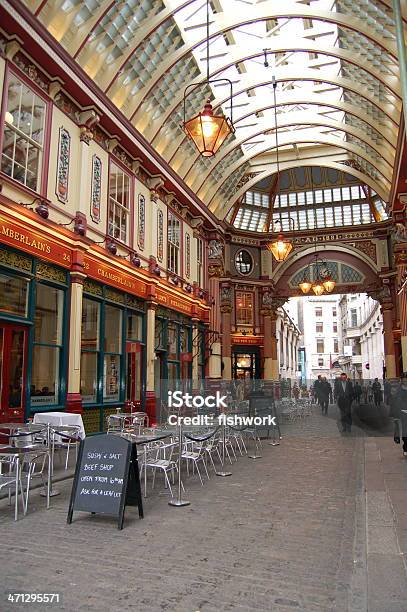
<point x="173" y="302"/>
<point x="33" y="243"/>
<point x="111" y="276"/>
<point x="246" y="340"/>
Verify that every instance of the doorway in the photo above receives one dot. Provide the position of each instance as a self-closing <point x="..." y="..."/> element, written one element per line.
<point x="13" y="372"/>
<point x="245" y="364"/>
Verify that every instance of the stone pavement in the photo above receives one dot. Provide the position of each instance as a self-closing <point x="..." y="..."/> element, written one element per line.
<point x="285" y="532"/>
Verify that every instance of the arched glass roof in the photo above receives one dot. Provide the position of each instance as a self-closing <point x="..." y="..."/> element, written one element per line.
<point x="307" y="198"/>
<point x="335" y="62"/>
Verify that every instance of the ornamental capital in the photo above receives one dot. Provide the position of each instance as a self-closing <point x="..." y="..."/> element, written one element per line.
<point x="86" y="135"/>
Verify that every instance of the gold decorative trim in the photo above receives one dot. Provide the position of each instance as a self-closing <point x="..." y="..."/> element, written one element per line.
<point x="50" y="273"/>
<point x="92" y="288"/>
<point x="16" y="261"/>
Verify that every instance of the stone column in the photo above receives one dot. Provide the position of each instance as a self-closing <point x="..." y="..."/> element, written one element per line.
<point x="74" y="398"/>
<point x="389" y="352"/>
<point x="226" y="329"/>
<point x="195" y="354"/>
<point x="226" y="317"/>
<point x="150" y="363"/>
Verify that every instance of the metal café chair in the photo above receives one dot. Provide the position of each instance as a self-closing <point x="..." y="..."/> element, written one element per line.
<point x="10" y="478"/>
<point x="195" y="456"/>
<point x="36" y="450"/>
<point x="65" y="440"/>
<point x="156" y="459"/>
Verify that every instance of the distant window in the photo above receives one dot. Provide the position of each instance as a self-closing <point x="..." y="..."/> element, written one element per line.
<point x="244" y="262"/>
<point x="244" y="308"/>
<point x="353" y="317"/>
<point x="320" y="362"/>
<point x="320" y="346"/>
<point x="336" y="346"/>
<point x="318" y="312"/>
<point x="335" y="328"/>
<point x="319" y="328"/>
<point x="334" y="311"/>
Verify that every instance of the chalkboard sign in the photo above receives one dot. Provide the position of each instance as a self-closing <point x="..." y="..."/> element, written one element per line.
<point x="106" y="477"/>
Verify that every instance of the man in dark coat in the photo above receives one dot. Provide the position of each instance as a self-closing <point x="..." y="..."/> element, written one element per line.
<point x="317" y="387"/>
<point x="398" y="410"/>
<point x="325" y="393"/>
<point x="344" y="396"/>
<point x="377" y="392"/>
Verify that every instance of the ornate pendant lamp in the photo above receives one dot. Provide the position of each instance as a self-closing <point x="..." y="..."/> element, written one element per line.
<point x="207" y="130"/>
<point x="318" y="288"/>
<point x="305" y="285"/>
<point x="280" y="248"/>
<point x="329" y="284"/>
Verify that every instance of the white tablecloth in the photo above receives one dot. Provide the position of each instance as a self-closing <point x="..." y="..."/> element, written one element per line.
<point x="60" y="418"/>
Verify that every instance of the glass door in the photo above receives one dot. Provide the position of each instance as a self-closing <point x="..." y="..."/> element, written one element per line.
<point x="245" y="364"/>
<point x="243" y="367"/>
<point x="13" y="350"/>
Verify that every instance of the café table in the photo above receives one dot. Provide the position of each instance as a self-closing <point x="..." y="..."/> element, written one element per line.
<point x="61" y="418"/>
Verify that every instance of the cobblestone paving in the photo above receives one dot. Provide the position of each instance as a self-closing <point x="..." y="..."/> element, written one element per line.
<point x="283" y="533"/>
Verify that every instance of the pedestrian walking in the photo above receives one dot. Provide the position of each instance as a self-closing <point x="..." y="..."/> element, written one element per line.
<point x="358" y="392"/>
<point x="325" y="393"/>
<point x="398" y="411"/>
<point x="344" y="394"/>
<point x="377" y="392"/>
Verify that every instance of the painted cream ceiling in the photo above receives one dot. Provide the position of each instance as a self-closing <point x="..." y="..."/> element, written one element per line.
<point x="338" y="92"/>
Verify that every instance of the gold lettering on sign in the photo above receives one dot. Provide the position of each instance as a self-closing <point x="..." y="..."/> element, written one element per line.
<point x="116" y="278"/>
<point x="40" y="246"/>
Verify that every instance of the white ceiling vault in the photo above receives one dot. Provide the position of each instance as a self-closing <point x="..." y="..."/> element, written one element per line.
<point x="335" y="62"/>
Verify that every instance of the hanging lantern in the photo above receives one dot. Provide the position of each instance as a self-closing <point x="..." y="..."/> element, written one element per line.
<point x="305" y="286"/>
<point x="280" y="248"/>
<point x="329" y="284"/>
<point x="208" y="131"/>
<point x="318" y="288"/>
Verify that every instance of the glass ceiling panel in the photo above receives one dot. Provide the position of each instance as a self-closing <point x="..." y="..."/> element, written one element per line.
<point x="338" y="91"/>
<point x="345" y="204"/>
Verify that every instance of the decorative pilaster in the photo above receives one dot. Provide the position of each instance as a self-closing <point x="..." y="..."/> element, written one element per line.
<point x="74" y="398"/>
<point x="270" y="306"/>
<point x="150" y="367"/>
<point x="389" y="349"/>
<point x="226" y="327"/>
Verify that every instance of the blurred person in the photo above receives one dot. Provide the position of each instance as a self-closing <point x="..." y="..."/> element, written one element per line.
<point x="344" y="398"/>
<point x="358" y="392"/>
<point x="325" y="394"/>
<point x="317" y="387"/>
<point x="296" y="392"/>
<point x="377" y="392"/>
<point x="398" y="411"/>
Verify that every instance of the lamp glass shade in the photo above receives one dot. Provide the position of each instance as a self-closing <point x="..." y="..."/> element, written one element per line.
<point x="305" y="286"/>
<point x="329" y="285"/>
<point x="280" y="248"/>
<point x="208" y="131"/>
<point x="318" y="288"/>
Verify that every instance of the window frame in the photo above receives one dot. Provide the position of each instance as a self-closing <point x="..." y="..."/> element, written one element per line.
<point x="60" y="347"/>
<point x="101" y="352"/>
<point x="244" y="307"/>
<point x="42" y="182"/>
<point x="172" y="247"/>
<point x="130" y="212"/>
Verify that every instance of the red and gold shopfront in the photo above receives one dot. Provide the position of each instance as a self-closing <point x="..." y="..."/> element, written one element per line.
<point x="73" y="327"/>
